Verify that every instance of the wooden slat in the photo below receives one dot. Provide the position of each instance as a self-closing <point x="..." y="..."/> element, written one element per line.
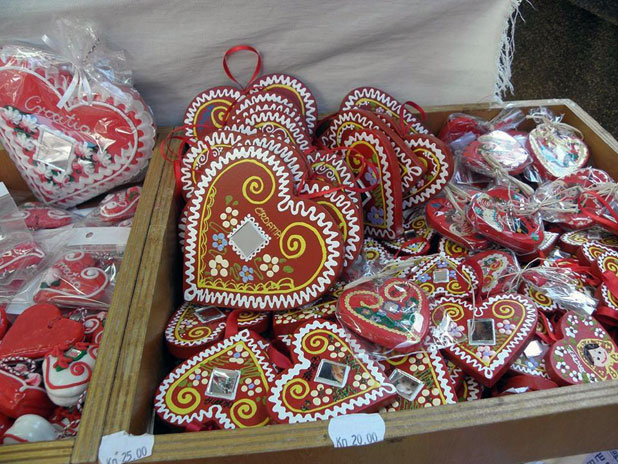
<point x="92" y="422"/>
<point x="514" y="428"/>
<point x="49" y="452"/>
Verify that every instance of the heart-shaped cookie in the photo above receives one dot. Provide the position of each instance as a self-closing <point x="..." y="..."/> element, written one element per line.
<point x="331" y="375"/>
<point x="224" y="385"/>
<point x="73" y="280"/>
<point x="193" y="328"/>
<point x="497" y="332"/>
<point x="499" y="268"/>
<point x="58" y="151"/>
<point x="16" y="261"/>
<point x="502" y="147"/>
<point x="557" y="151"/>
<point x="448" y="221"/>
<point x="438" y="164"/>
<point x="394" y="314"/>
<point x="29" y="428"/>
<point x="253" y="244"/>
<point x="344" y="210"/>
<point x="38" y="330"/>
<point x="293" y="90"/>
<point x="21" y="389"/>
<point x="208" y="111"/>
<point x="585" y="352"/>
<point x="67" y="373"/>
<point x="38" y="216"/>
<point x="494" y="215"/>
<point x="422" y="380"/>
<point x="379" y="102"/>
<point x="120" y="205"/>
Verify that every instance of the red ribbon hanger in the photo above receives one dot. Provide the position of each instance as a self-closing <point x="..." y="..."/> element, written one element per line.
<point x="610" y="225"/>
<point x="403" y="126"/>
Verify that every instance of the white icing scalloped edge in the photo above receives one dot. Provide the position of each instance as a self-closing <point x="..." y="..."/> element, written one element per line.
<point x="414" y="198"/>
<point x="171" y="326"/>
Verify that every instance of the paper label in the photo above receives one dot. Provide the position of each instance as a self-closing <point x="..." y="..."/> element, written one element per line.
<point x="121" y="447"/>
<point x="605" y="457"/>
<point x="92" y="238"/>
<point x="356" y="430"/>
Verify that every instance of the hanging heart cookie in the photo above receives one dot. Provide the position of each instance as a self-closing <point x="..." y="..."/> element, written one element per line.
<point x="490" y="337"/>
<point x="73" y="280"/>
<point x="394" y="314"/>
<point x="225" y="385"/>
<point x="208" y="111"/>
<point x="448" y="221"/>
<point x="422" y="380"/>
<point x="502" y="147"/>
<point x="331" y="375"/>
<point x="38" y="216"/>
<point x="379" y="102"/>
<point x="492" y="216"/>
<point x="120" y="205"/>
<point x="58" y="151"/>
<point x="253" y="244"/>
<point x="38" y="330"/>
<point x="585" y="352"/>
<point x="67" y="373"/>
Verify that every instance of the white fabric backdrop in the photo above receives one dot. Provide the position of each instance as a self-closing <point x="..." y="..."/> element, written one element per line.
<point x="431" y="51"/>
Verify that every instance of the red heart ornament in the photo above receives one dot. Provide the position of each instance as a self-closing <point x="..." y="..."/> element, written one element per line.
<point x="438" y="163"/>
<point x="502" y="147"/>
<point x="295" y="91"/>
<point x="38" y="330"/>
<point x="331" y="375"/>
<point x="422" y="380"/>
<point x="21" y="389"/>
<point x="379" y="102"/>
<point x="261" y="101"/>
<point x="499" y="268"/>
<point x="120" y="205"/>
<point x="38" y="216"/>
<point x="489" y="354"/>
<point x="254" y="244"/>
<point x="589" y="253"/>
<point x="17" y="260"/>
<point x="557" y="151"/>
<point x="208" y="111"/>
<point x="394" y="314"/>
<point x="572" y="241"/>
<point x="585" y="352"/>
<point x="448" y="221"/>
<point x="491" y="215"/>
<point x="225" y="385"/>
<point x="34" y="130"/>
<point x="74" y="280"/>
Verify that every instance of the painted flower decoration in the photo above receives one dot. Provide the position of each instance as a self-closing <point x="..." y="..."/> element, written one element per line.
<point x="485" y="353"/>
<point x="229" y="217"/>
<point x="370" y="177"/>
<point x="28" y="122"/>
<point x="218" y="266"/>
<point x="335" y="353"/>
<point x="270" y="265"/>
<point x="199" y="376"/>
<point x="363" y="381"/>
<point x="423" y="278"/>
<point x="570" y="331"/>
<point x="238" y="355"/>
<point x="321" y="395"/>
<point x="599" y="332"/>
<point x="456" y="331"/>
<point x="12" y="114"/>
<point x="252" y="387"/>
<point x="506" y="327"/>
<point x="246" y="273"/>
<point x="442" y="264"/>
<point x="376" y="216"/>
<point x="219" y="242"/>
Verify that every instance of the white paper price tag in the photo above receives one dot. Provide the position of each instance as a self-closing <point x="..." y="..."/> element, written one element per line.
<point x="356" y="430"/>
<point x="121" y="447"/>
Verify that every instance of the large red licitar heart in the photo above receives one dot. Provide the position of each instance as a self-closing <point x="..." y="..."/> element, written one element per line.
<point x="394" y="314"/>
<point x="208" y="111"/>
<point x="292" y="89"/>
<point x="410" y="167"/>
<point x="74" y="280"/>
<point x="38" y="216"/>
<point x="492" y="216"/>
<point x="38" y="330"/>
<point x="379" y="102"/>
<point x="251" y="243"/>
<point x="439" y="167"/>
<point x="331" y="375"/>
<point x="422" y="381"/>
<point x="585" y="352"/>
<point x="514" y="319"/>
<point x="225" y="385"/>
<point x="445" y="219"/>
<point x="30" y="121"/>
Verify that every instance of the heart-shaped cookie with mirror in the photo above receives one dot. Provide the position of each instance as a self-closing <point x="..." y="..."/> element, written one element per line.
<point x="331" y="375"/>
<point x="253" y="244"/>
<point x="490" y="337"/>
<point x="224" y="385"/>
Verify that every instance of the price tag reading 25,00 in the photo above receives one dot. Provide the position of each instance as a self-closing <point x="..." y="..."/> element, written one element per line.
<point x="121" y="447"/>
<point x="356" y="430"/>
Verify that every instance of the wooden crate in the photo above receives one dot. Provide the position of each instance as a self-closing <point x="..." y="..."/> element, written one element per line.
<point x="516" y="428"/>
<point x="91" y="428"/>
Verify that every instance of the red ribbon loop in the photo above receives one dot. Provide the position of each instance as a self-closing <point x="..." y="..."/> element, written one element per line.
<point x="236" y="49"/>
<point x="278" y="359"/>
<point x="405" y="128"/>
<point x="231" y="323"/>
<point x="548" y="336"/>
<point x="608" y="224"/>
